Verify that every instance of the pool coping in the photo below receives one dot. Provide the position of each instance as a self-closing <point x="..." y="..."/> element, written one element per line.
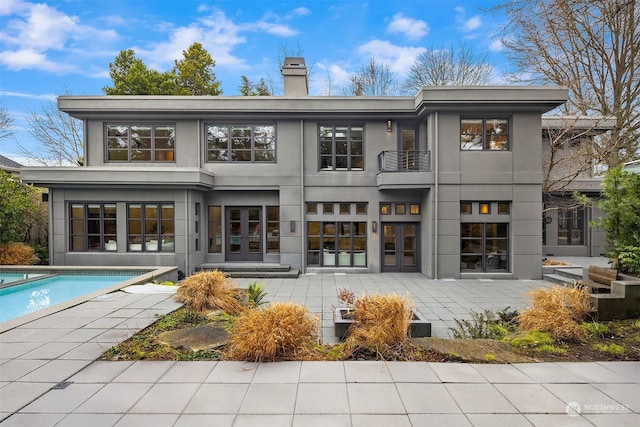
<point x="152" y="273"/>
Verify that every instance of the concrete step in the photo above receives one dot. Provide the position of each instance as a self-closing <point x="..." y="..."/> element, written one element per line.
<point x="558" y="279"/>
<point x="574" y="273"/>
<point x="252" y="270"/>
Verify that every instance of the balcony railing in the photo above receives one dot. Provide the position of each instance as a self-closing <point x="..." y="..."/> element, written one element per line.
<point x="404" y="161"/>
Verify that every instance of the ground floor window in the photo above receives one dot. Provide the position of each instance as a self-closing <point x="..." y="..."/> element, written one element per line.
<point x="484" y="246"/>
<point x="93" y="227"/>
<point x="150" y="227"/>
<point x="340" y="243"/>
<point x="273" y="229"/>
<point x="571" y="226"/>
<point x="215" y="229"/>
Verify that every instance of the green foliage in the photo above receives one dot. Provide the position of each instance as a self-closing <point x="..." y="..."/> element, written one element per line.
<point x="255" y="295"/>
<point x="610" y="348"/>
<point x="248" y="88"/>
<point x="193" y="75"/>
<point x="483" y="326"/>
<point x="620" y="202"/>
<point x="16" y="202"/>
<point x="629" y="260"/>
<point x="548" y="348"/>
<point x="532" y="339"/>
<point x="595" y="328"/>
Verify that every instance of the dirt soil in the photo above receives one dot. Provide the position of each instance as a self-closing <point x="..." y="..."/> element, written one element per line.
<point x="151" y="344"/>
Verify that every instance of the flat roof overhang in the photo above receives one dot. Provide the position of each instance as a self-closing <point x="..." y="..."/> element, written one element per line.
<point x="130" y="177"/>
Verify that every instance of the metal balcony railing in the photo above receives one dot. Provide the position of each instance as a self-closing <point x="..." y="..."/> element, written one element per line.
<point x="404" y="161"/>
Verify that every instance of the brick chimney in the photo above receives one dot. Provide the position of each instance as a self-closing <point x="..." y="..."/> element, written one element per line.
<point x="294" y="72"/>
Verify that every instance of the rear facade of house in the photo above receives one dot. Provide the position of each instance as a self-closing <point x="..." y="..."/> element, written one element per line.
<point x="447" y="182"/>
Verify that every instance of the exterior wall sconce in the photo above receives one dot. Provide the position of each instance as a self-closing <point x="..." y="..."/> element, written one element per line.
<point x="388" y="125"/>
<point x="292" y="226"/>
<point x="374" y="226"/>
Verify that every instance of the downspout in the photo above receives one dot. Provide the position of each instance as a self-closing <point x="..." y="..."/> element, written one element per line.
<point x="302" y="209"/>
<point x="435" y="210"/>
<point x="187" y="239"/>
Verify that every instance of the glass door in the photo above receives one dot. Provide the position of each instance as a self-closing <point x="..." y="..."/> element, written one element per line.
<point x="400" y="243"/>
<point x="244" y="236"/>
<point x="408" y="147"/>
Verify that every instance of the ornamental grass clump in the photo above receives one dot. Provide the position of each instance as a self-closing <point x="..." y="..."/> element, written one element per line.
<point x="380" y="322"/>
<point x="17" y="254"/>
<point x="282" y="331"/>
<point x="558" y="310"/>
<point x="211" y="290"/>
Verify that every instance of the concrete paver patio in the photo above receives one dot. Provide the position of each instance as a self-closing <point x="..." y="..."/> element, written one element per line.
<point x="49" y="376"/>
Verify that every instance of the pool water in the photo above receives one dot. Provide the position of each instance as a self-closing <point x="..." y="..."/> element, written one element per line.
<point x="6" y="278"/>
<point x="19" y="300"/>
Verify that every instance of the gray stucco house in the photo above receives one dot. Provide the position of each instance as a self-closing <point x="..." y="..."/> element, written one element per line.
<point x="447" y="182"/>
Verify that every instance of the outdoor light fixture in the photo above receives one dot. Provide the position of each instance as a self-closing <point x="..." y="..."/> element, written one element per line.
<point x="388" y="125"/>
<point x="374" y="226"/>
<point x="292" y="226"/>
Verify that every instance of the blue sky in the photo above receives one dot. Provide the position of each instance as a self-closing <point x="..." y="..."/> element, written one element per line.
<point x="66" y="45"/>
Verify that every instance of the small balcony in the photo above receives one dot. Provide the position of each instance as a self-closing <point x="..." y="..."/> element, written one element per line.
<point x="404" y="170"/>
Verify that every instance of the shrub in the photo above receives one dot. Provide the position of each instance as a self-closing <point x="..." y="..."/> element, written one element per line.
<point x="595" y="328"/>
<point x="629" y="260"/>
<point x="255" y="295"/>
<point x="486" y="325"/>
<point x="211" y="290"/>
<point x="17" y="254"/>
<point x="282" y="331"/>
<point x="557" y="310"/>
<point x="379" y="322"/>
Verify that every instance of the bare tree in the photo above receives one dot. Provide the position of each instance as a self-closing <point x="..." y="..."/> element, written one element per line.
<point x="59" y="135"/>
<point x="456" y="66"/>
<point x="6" y="123"/>
<point x="590" y="46"/>
<point x="372" y="79"/>
<point x="572" y="149"/>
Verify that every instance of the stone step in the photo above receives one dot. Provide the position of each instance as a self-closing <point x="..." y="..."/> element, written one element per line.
<point x="252" y="270"/>
<point x="575" y="273"/>
<point x="595" y="288"/>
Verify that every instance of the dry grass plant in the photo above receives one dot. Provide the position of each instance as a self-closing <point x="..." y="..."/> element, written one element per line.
<point x="211" y="290"/>
<point x="554" y="262"/>
<point x="282" y="331"/>
<point x="17" y="254"/>
<point x="557" y="310"/>
<point x="380" y="322"/>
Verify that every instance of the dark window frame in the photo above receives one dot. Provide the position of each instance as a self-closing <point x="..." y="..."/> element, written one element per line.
<point x="477" y="140"/>
<point x="331" y="143"/>
<point x="154" y="149"/>
<point x="229" y="154"/>
<point x="160" y="234"/>
<point x="329" y="244"/>
<point x="86" y="235"/>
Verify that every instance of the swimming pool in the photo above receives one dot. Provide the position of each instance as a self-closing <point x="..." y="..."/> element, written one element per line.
<point x="18" y="300"/>
<point x="34" y="292"/>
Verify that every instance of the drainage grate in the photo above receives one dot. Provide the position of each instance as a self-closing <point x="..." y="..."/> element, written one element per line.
<point x="62" y="385"/>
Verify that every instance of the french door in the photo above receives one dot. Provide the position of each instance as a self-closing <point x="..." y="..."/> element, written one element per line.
<point x="400" y="243"/>
<point x="244" y="233"/>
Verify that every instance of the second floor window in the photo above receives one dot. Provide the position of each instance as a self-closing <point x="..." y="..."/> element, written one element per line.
<point x="140" y="143"/>
<point x="341" y="147"/>
<point x="484" y="133"/>
<point x="241" y="143"/>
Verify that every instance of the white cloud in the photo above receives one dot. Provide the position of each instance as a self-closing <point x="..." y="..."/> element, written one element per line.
<point x="413" y="29"/>
<point x="271" y="28"/>
<point x="35" y="31"/>
<point x="9" y="7"/>
<point x="472" y="23"/>
<point x="30" y="59"/>
<point x="496" y="45"/>
<point x="45" y="96"/>
<point x="397" y="58"/>
<point x="300" y="11"/>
